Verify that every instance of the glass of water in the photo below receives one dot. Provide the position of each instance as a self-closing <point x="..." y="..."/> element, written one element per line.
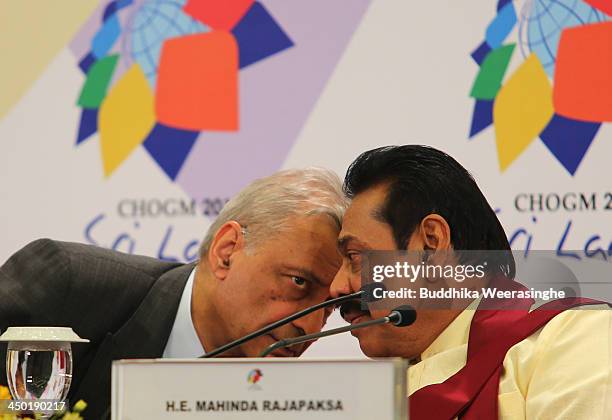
<point x="39" y="370"/>
<point x="39" y="365"/>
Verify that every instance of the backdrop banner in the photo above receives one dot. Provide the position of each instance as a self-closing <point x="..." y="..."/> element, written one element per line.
<point x="129" y="123"/>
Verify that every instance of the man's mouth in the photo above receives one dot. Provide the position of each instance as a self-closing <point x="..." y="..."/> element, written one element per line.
<point x="352" y="313"/>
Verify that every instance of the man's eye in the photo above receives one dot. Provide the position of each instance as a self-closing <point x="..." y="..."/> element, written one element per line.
<point x="299" y="281"/>
<point x="354" y="258"/>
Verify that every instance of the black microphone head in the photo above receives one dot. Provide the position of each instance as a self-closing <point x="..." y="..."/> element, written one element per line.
<point x="402" y="316"/>
<point x="368" y="291"/>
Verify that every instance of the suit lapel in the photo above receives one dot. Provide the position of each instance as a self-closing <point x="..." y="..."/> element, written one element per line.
<point x="143" y="336"/>
<point x="146" y="333"/>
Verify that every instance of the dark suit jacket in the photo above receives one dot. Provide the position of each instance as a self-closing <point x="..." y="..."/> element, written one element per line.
<point x="124" y="304"/>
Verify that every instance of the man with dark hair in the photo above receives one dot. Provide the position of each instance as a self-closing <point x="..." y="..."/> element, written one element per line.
<point x="473" y="364"/>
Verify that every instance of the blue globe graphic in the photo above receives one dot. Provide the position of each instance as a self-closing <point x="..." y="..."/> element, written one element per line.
<point x="150" y="25"/>
<point x="542" y="21"/>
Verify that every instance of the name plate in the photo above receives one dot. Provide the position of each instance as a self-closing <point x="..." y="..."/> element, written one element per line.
<point x="259" y="389"/>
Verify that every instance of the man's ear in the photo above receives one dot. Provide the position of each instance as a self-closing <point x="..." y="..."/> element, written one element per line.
<point x="434" y="233"/>
<point x="228" y="240"/>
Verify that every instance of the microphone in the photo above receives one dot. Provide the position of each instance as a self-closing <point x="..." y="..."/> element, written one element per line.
<point x="366" y="293"/>
<point x="402" y="316"/>
<point x="281" y="322"/>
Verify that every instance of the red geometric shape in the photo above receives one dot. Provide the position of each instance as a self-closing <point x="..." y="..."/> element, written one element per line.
<point x="218" y="14"/>
<point x="197" y="82"/>
<point x="603" y="5"/>
<point x="583" y="73"/>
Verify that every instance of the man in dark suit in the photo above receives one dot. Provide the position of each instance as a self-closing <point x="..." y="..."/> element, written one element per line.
<point x="271" y="252"/>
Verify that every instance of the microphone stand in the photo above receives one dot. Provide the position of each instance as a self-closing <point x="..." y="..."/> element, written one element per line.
<point x="288" y="342"/>
<point x="274" y="325"/>
<point x="400" y="317"/>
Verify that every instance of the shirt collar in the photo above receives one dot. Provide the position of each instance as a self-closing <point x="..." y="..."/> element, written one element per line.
<point x="183" y="341"/>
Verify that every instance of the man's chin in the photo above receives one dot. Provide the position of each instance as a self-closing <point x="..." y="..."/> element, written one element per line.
<point x="373" y="347"/>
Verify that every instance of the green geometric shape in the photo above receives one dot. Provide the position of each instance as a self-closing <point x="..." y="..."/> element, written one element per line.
<point x="491" y="74"/>
<point x="96" y="84"/>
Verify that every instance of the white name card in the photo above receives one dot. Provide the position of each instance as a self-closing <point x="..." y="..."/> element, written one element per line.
<point x="259" y="389"/>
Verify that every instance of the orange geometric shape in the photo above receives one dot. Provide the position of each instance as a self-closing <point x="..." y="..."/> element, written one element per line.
<point x="219" y="15"/>
<point x="197" y="82"/>
<point x="603" y="5"/>
<point x="583" y="73"/>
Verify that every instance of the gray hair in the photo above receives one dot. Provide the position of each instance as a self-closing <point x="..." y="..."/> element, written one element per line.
<point x="265" y="206"/>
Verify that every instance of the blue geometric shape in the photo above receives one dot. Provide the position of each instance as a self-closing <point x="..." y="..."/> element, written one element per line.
<point x="88" y="124"/>
<point x="106" y="37"/>
<point x="86" y="62"/>
<point x="568" y="140"/>
<point x="502" y="3"/>
<point x="170" y="147"/>
<point x="501" y="26"/>
<point x="123" y="3"/>
<point x="480" y="53"/>
<point x="152" y="24"/>
<point x="113" y="7"/>
<point x="543" y="21"/>
<point x="109" y="10"/>
<point x="259" y="36"/>
<point x="482" y="116"/>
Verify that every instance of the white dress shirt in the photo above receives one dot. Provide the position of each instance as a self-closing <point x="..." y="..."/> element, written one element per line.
<point x="183" y="342"/>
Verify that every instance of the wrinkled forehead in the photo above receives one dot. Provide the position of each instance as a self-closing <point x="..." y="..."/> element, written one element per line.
<point x="308" y="244"/>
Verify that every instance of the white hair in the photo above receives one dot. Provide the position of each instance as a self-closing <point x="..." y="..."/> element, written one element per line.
<point x="265" y="206"/>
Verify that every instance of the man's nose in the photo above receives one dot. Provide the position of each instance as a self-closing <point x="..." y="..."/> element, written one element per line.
<point x="341" y="284"/>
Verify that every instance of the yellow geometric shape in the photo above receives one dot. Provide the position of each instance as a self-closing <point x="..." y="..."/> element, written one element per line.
<point x="522" y="109"/>
<point x="31" y="35"/>
<point x="127" y="115"/>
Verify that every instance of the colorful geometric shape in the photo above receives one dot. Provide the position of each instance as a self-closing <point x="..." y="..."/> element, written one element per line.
<point x="543" y="21"/>
<point x="170" y="147"/>
<point x="259" y="36"/>
<point x="97" y="82"/>
<point x="88" y="124"/>
<point x="482" y="116"/>
<point x="109" y="10"/>
<point x="197" y="82"/>
<point x="603" y="5"/>
<point x="113" y="7"/>
<point x="321" y="31"/>
<point x="106" y="37"/>
<point x="583" y="76"/>
<point x="501" y="26"/>
<point x="492" y="71"/>
<point x="145" y="39"/>
<point x="86" y="62"/>
<point x="219" y="15"/>
<point x="480" y="53"/>
<point x="502" y="3"/>
<point x="522" y="109"/>
<point x="569" y="140"/>
<point x="126" y="117"/>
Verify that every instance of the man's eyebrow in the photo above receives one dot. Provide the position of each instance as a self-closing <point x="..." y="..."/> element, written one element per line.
<point x="345" y="239"/>
<point x="379" y="214"/>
